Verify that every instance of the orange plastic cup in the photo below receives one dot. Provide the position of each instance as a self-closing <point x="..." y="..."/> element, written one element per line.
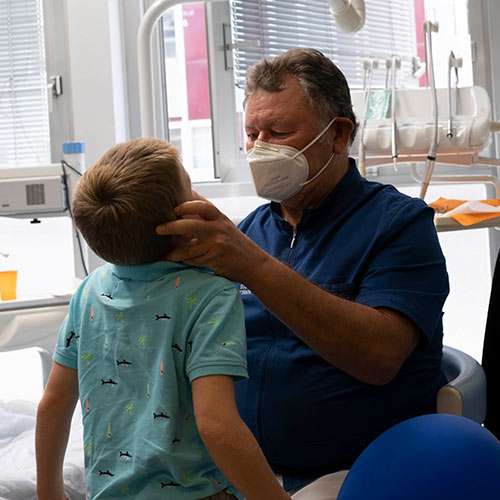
<point x="8" y="285"/>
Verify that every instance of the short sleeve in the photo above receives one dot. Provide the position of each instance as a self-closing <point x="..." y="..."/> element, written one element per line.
<point x="66" y="352"/>
<point x="408" y="272"/>
<point x="217" y="339"/>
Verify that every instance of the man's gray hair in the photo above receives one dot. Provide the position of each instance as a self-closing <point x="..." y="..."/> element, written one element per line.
<point x="323" y="83"/>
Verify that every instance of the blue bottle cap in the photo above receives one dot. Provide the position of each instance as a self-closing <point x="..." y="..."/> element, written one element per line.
<point x="73" y="147"/>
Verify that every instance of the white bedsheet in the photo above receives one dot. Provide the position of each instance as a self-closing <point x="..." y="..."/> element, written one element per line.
<point x="17" y="453"/>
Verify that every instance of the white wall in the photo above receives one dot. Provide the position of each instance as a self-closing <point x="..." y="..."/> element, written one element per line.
<point x="95" y="63"/>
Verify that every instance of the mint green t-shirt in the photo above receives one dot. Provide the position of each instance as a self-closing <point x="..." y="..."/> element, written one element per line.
<point x="138" y="336"/>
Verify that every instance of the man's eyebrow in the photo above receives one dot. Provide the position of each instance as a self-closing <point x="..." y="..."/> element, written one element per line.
<point x="271" y="124"/>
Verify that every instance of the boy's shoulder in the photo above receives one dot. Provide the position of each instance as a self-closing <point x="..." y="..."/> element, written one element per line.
<point x="102" y="272"/>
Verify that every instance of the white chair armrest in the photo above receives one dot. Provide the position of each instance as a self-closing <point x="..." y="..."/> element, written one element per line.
<point x="465" y="392"/>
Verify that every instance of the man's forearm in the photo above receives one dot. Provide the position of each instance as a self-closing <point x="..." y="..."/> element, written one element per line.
<point x="367" y="343"/>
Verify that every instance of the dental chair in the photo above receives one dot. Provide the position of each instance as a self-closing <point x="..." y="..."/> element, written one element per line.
<point x="473" y="390"/>
<point x="465" y="393"/>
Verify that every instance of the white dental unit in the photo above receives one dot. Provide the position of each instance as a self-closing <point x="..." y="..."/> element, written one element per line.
<point x="472" y="129"/>
<point x="426" y="125"/>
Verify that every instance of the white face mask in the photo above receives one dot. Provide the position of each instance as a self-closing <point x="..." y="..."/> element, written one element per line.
<point x="279" y="172"/>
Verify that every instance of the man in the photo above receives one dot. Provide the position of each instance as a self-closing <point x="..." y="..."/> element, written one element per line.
<point x="342" y="279"/>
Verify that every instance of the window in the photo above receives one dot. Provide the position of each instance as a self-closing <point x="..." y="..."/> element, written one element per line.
<point x="278" y="26"/>
<point x="453" y="34"/>
<point x="188" y="99"/>
<point x="25" y="141"/>
<point x="24" y="124"/>
<point x="266" y="28"/>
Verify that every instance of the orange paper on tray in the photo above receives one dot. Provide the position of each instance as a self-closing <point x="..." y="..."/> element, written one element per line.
<point x="467" y="212"/>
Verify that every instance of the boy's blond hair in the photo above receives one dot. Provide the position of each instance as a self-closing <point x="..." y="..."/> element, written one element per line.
<point x="122" y="198"/>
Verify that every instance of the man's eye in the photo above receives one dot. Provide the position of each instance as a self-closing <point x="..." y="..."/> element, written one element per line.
<point x="252" y="136"/>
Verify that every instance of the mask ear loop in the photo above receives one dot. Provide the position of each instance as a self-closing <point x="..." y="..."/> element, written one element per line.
<point x="317" y="138"/>
<point x="319" y="173"/>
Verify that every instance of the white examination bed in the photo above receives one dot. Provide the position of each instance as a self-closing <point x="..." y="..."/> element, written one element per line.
<point x="33" y="325"/>
<point x="17" y="453"/>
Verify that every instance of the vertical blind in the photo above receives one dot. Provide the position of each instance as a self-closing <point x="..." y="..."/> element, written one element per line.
<point x="279" y="25"/>
<point x="24" y="122"/>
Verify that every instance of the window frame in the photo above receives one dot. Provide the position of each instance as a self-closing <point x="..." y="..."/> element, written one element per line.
<point x="485" y="51"/>
<point x="230" y="164"/>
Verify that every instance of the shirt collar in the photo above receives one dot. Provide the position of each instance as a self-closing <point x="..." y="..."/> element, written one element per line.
<point x="147" y="272"/>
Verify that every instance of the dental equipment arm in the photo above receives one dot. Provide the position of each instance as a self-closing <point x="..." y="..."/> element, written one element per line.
<point x="369" y="66"/>
<point x="457" y="64"/>
<point x="449" y="133"/>
<point x="453" y="62"/>
<point x="395" y="64"/>
<point x="430" y="27"/>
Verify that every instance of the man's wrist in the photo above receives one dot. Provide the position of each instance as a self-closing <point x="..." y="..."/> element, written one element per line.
<point x="259" y="269"/>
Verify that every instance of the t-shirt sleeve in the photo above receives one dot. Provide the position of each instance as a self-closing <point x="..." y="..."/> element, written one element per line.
<point x="66" y="351"/>
<point x="408" y="271"/>
<point x="217" y="339"/>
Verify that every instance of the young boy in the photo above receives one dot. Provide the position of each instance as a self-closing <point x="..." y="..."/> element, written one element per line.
<point x="151" y="348"/>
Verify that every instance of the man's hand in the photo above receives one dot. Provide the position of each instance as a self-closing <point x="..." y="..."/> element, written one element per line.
<point x="213" y="242"/>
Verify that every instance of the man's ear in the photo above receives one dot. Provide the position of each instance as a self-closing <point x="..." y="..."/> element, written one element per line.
<point x="342" y="129"/>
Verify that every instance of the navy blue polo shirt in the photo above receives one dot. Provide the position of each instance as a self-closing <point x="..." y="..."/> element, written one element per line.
<point x="371" y="244"/>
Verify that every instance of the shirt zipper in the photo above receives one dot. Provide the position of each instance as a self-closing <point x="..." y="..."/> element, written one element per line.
<point x="294" y="237"/>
